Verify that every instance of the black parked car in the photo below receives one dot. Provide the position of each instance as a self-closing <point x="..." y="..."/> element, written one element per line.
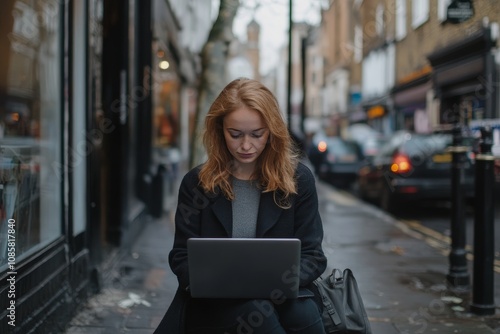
<point x="335" y="160"/>
<point x="412" y="167"/>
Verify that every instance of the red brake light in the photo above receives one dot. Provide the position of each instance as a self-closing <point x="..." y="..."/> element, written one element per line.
<point x="401" y="164"/>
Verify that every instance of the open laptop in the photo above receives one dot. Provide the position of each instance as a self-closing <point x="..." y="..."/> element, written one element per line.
<point x="257" y="268"/>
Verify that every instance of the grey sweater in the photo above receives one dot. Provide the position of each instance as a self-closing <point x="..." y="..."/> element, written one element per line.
<point x="245" y="208"/>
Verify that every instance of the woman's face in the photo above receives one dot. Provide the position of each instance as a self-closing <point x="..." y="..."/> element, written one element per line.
<point x="246" y="136"/>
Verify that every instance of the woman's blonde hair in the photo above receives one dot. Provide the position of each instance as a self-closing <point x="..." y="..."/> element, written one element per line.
<point x="276" y="165"/>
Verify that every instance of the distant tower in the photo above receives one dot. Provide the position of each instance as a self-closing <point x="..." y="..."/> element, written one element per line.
<point x="253" y="51"/>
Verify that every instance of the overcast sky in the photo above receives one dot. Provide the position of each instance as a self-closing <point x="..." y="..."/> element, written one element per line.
<point x="272" y="16"/>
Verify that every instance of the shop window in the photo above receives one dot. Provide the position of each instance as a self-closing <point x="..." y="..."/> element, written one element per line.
<point x="30" y="131"/>
<point x="165" y="100"/>
<point x="82" y="144"/>
<point x="166" y="115"/>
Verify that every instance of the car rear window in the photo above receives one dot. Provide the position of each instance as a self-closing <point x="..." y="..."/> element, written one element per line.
<point x="341" y="147"/>
<point x="427" y="144"/>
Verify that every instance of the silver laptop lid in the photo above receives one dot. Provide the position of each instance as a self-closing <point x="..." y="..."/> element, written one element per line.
<point x="260" y="268"/>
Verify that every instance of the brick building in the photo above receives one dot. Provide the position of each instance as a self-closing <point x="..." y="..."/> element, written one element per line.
<point x="399" y="64"/>
<point x="445" y="67"/>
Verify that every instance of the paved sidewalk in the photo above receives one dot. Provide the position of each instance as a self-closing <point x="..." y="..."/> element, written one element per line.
<point x="400" y="272"/>
<point x="136" y="296"/>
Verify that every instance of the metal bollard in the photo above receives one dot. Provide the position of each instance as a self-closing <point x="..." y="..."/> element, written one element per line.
<point x="483" y="302"/>
<point x="458" y="275"/>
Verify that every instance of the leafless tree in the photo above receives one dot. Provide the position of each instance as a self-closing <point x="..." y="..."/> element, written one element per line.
<point x="214" y="56"/>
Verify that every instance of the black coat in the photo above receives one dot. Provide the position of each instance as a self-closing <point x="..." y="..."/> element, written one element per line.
<point x="202" y="215"/>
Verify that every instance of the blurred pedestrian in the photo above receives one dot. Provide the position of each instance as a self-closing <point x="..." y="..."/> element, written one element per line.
<point x="252" y="166"/>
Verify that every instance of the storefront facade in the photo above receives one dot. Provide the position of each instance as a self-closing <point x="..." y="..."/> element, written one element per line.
<point x="32" y="171"/>
<point x="465" y="76"/>
<point x="89" y="89"/>
<point x="75" y="150"/>
<point x="410" y="102"/>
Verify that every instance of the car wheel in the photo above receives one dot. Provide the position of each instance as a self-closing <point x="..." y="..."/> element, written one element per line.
<point x="360" y="190"/>
<point x="387" y="200"/>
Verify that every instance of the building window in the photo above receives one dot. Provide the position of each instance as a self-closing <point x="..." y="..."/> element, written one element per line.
<point x="358" y="44"/>
<point x="31" y="168"/>
<point x="400" y="19"/>
<point x="442" y="9"/>
<point x="379" y="19"/>
<point x="420" y="13"/>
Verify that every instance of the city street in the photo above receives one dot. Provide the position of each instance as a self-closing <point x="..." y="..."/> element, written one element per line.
<point x="437" y="218"/>
<point x="433" y="220"/>
<point x="400" y="268"/>
<point x="401" y="274"/>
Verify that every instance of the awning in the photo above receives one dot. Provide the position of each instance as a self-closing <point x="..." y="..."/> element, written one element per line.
<point x="413" y="95"/>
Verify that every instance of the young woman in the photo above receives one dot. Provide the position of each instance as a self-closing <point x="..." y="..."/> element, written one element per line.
<point x="252" y="171"/>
